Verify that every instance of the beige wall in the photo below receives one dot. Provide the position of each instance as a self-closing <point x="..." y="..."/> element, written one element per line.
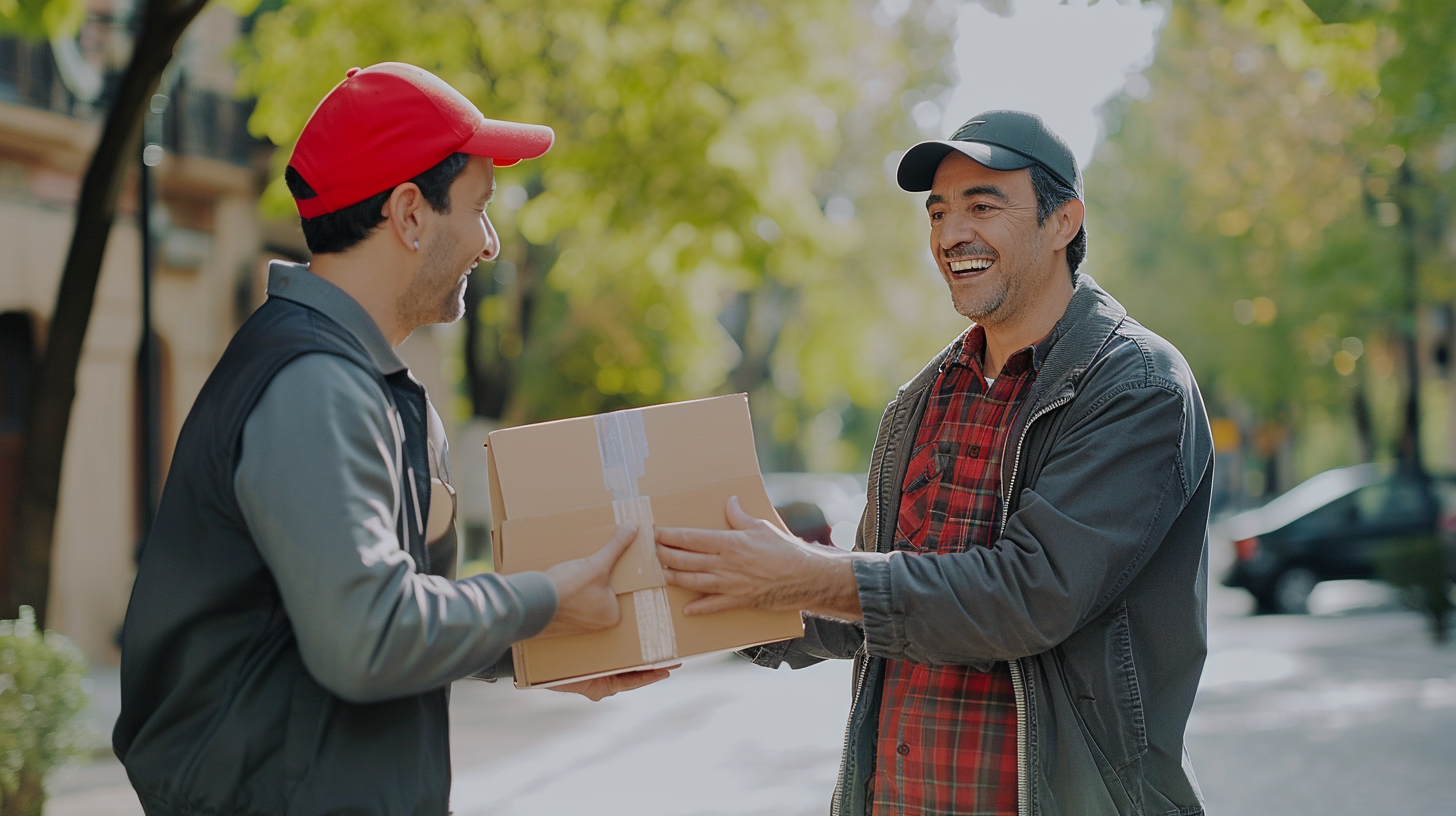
<point x="193" y="311"/>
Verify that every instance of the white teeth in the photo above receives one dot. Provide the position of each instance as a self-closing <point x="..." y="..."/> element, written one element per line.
<point x="973" y="263"/>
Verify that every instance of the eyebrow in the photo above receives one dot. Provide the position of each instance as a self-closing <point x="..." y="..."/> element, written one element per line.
<point x="970" y="192"/>
<point x="490" y="196"/>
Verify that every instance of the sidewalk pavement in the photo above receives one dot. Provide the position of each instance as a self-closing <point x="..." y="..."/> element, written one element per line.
<point x="1346" y="712"/>
<point x="720" y="737"/>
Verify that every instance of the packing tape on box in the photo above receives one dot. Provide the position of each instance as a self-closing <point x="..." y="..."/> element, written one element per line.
<point x="622" y="442"/>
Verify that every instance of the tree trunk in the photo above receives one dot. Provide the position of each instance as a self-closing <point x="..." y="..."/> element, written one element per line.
<point x="1364" y="424"/>
<point x="1409" y="452"/>
<point x="50" y="413"/>
<point x="28" y="798"/>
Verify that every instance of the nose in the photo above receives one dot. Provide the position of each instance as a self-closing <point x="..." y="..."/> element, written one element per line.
<point x="492" y="241"/>
<point x="955" y="230"/>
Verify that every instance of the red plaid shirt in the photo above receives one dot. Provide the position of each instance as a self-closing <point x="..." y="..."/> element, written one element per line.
<point x="947" y="740"/>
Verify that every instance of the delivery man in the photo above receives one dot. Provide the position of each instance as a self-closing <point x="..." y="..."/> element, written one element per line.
<point x="294" y="626"/>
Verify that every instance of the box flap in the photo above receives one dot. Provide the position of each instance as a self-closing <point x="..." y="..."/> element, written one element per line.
<point x="544" y="541"/>
<point x="554" y="467"/>
<point x="497" y="511"/>
<point x="557" y="467"/>
<point x="716" y="430"/>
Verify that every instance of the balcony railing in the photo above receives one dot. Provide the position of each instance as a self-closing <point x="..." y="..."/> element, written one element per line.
<point x="196" y="122"/>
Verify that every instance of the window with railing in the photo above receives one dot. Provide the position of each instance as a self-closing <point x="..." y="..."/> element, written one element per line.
<point x="197" y="122"/>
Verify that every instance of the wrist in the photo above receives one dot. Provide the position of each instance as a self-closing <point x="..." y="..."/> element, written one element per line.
<point x="834" y="588"/>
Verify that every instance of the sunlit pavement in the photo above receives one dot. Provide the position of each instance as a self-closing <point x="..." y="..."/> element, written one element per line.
<point x="1352" y="711"/>
<point x="1347" y="711"/>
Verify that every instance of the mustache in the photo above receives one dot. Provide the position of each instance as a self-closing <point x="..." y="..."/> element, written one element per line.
<point x="969" y="251"/>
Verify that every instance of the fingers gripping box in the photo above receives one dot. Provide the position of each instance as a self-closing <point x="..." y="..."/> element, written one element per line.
<point x="558" y="491"/>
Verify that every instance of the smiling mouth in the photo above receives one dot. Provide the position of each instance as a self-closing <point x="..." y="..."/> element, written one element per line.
<point x="970" y="265"/>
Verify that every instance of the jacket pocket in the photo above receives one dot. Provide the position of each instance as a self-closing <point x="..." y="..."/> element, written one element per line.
<point x="1098" y="664"/>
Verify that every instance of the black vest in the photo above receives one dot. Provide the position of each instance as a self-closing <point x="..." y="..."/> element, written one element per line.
<point x="219" y="714"/>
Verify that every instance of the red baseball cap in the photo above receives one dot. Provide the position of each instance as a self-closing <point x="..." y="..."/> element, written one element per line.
<point x="385" y="124"/>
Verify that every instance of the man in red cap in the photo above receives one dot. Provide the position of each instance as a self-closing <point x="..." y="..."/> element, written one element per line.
<point x="294" y="626"/>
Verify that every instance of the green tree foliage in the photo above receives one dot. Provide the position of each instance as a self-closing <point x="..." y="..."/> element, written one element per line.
<point x="41" y="694"/>
<point x="716" y="214"/>
<point x="1262" y="203"/>
<point x="41" y="19"/>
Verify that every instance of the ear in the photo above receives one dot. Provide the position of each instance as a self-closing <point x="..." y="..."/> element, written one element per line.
<point x="1066" y="221"/>
<point x="403" y="212"/>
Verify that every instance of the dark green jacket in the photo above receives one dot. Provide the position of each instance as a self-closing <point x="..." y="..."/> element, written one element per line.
<point x="1095" y="593"/>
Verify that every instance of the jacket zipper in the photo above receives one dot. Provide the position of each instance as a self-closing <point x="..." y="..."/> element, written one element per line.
<point x="859" y="679"/>
<point x="1018" y="678"/>
<point x="864" y="664"/>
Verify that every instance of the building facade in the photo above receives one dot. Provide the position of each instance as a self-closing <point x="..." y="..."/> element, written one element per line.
<point x="209" y="250"/>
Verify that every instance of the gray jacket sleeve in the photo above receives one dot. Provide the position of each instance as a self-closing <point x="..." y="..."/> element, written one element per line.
<point x="1105" y="498"/>
<point x="315" y="487"/>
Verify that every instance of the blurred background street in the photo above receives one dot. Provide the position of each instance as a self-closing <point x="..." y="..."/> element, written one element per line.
<point x="1270" y="185"/>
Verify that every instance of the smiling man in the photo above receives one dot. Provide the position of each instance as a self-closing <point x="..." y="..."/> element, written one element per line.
<point x="294" y="626"/>
<point x="1026" y="603"/>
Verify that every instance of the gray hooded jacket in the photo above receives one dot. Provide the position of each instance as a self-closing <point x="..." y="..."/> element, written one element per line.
<point x="1095" y="593"/>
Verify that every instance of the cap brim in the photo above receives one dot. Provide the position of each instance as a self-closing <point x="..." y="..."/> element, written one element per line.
<point x="506" y="143"/>
<point x="918" y="165"/>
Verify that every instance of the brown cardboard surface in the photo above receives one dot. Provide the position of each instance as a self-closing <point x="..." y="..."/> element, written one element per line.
<point x="551" y="503"/>
<point x="548" y="540"/>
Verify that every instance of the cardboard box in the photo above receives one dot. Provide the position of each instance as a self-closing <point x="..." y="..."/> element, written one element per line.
<point x="558" y="490"/>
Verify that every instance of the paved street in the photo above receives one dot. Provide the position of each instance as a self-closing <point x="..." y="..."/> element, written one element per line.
<point x="1347" y="712"/>
<point x="1350" y="712"/>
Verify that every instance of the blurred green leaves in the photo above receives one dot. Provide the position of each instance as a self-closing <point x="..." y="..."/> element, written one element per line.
<point x="41" y="19"/>
<point x="41" y="692"/>
<point x="715" y="215"/>
<point x="1261" y="204"/>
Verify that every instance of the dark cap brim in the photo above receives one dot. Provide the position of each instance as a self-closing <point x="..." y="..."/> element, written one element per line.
<point x="918" y="165"/>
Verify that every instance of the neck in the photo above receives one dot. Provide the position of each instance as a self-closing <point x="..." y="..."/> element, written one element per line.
<point x="370" y="281"/>
<point x="1027" y="326"/>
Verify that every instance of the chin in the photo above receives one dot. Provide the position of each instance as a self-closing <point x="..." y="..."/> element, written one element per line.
<point x="451" y="314"/>
<point x="979" y="311"/>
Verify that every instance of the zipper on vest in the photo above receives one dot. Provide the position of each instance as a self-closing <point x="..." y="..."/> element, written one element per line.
<point x="415" y="496"/>
<point x="1018" y="678"/>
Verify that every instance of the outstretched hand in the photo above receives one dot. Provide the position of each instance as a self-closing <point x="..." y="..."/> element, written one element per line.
<point x="585" y="600"/>
<point x="600" y="688"/>
<point x="756" y="565"/>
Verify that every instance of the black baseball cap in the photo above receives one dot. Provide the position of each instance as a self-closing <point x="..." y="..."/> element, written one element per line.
<point x="1000" y="140"/>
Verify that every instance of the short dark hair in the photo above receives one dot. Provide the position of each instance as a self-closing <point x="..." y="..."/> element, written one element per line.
<point x="342" y="229"/>
<point x="1051" y="194"/>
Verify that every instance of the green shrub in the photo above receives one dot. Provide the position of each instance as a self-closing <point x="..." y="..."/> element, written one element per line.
<point x="41" y="692"/>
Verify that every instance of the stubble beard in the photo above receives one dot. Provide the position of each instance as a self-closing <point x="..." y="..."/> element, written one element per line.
<point x="437" y="292"/>
<point x="982" y="308"/>
<point x="1005" y="300"/>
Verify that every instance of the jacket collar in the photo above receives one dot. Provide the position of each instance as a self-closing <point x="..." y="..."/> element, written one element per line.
<point x="1086" y="326"/>
<point x="1091" y="318"/>
<point x="293" y="282"/>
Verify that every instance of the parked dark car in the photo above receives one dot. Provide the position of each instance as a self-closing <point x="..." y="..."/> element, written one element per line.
<point x="1330" y="527"/>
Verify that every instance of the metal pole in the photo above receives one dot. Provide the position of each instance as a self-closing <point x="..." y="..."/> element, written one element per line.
<point x="149" y="397"/>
